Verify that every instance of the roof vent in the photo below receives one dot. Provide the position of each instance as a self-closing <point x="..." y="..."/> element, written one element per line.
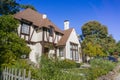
<point x="44" y="16"/>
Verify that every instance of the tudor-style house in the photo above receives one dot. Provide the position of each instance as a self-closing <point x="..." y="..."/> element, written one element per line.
<point x="44" y="37"/>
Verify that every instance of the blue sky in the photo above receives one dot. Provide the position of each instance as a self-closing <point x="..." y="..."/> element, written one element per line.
<point x="78" y="12"/>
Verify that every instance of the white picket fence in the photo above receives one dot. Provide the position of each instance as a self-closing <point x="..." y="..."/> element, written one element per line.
<point x="15" y="74"/>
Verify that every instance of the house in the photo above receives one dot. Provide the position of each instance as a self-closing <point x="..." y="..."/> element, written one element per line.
<point x="44" y="37"/>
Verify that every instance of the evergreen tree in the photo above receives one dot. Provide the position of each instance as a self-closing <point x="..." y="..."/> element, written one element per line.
<point x="12" y="47"/>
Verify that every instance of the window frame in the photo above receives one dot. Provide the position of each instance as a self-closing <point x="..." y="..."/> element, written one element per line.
<point x="23" y="31"/>
<point x="51" y="30"/>
<point x="74" y="51"/>
<point x="61" y="52"/>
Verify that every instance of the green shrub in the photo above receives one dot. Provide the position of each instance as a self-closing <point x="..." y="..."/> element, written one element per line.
<point x="78" y="65"/>
<point x="104" y="64"/>
<point x="98" y="68"/>
<point x="54" y="69"/>
<point x="66" y="64"/>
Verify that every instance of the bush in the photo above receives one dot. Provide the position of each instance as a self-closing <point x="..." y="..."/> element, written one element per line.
<point x="78" y="65"/>
<point x="104" y="64"/>
<point x="98" y="68"/>
<point x="50" y="69"/>
<point x="66" y="64"/>
<point x="21" y="64"/>
<point x="53" y="69"/>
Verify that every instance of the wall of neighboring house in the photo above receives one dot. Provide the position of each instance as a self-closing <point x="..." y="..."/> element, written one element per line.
<point x="72" y="38"/>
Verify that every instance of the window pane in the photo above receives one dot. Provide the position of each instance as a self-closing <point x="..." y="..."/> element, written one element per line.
<point x="61" y="52"/>
<point x="51" y="31"/>
<point x="74" y="55"/>
<point x="70" y="53"/>
<point x="25" y="28"/>
<point x="77" y="56"/>
<point x="71" y="46"/>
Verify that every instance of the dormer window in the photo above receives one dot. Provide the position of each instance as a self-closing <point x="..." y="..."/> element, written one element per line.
<point x="51" y="30"/>
<point x="25" y="28"/>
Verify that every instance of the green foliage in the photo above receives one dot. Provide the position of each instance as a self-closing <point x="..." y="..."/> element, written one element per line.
<point x="94" y="28"/>
<point x="27" y="6"/>
<point x="99" y="67"/>
<point x="12" y="6"/>
<point x="108" y="44"/>
<point x="51" y="69"/>
<point x="96" y="38"/>
<point x="66" y="64"/>
<point x="54" y="69"/>
<point x="11" y="46"/>
<point x="93" y="50"/>
<point x="118" y="47"/>
<point x="8" y="23"/>
<point x="22" y="64"/>
<point x="8" y="7"/>
<point x="102" y="64"/>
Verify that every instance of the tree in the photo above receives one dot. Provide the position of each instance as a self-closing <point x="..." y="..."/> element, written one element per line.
<point x="118" y="47"/>
<point x="93" y="49"/>
<point x="9" y="7"/>
<point x="12" y="7"/>
<point x="97" y="34"/>
<point x="12" y="47"/>
<point x="108" y="44"/>
<point x="94" y="29"/>
<point x="27" y="6"/>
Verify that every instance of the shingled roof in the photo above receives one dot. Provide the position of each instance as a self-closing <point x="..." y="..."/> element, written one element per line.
<point x="65" y="37"/>
<point x="36" y="19"/>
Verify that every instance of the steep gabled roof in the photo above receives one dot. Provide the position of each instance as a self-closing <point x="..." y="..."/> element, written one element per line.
<point x="65" y="37"/>
<point x="36" y="19"/>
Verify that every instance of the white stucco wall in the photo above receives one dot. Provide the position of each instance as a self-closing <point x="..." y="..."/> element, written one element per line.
<point x="37" y="36"/>
<point x="19" y="29"/>
<point x="35" y="52"/>
<point x="72" y="38"/>
<point x="36" y="49"/>
<point x="50" y="38"/>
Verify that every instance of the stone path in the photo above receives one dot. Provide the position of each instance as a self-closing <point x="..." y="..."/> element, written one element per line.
<point x="117" y="77"/>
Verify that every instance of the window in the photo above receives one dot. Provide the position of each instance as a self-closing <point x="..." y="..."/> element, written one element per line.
<point x="71" y="54"/>
<point x="51" y="30"/>
<point x="74" y="51"/>
<point x="61" y="53"/>
<point x="25" y="28"/>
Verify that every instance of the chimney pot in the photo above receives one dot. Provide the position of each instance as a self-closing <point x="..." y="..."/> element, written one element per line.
<point x="66" y="24"/>
<point x="44" y="16"/>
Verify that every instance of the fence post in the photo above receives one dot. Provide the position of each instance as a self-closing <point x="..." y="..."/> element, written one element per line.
<point x="12" y="73"/>
<point x="24" y="73"/>
<point x="9" y="73"/>
<point x="29" y="75"/>
<point x="19" y="75"/>
<point x="6" y="74"/>
<point x="15" y="76"/>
